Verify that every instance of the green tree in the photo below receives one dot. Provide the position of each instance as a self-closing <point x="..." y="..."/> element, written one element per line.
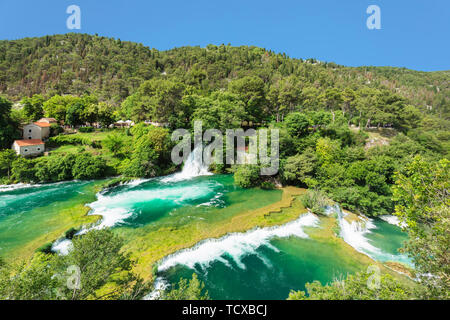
<point x="221" y="110"/>
<point x="156" y="99"/>
<point x="297" y="124"/>
<point x="355" y="287"/>
<point x="422" y="194"/>
<point x="7" y="158"/>
<point x="151" y="153"/>
<point x="186" y="290"/>
<point x="115" y="143"/>
<point x="8" y="127"/>
<point x="95" y="268"/>
<point x="23" y="170"/>
<point x="251" y="91"/>
<point x="299" y="168"/>
<point x="87" y="166"/>
<point x="33" y="107"/>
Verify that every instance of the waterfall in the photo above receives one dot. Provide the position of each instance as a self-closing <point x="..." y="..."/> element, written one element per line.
<point x="354" y="231"/>
<point x="394" y="221"/>
<point x="193" y="167"/>
<point x="237" y="245"/>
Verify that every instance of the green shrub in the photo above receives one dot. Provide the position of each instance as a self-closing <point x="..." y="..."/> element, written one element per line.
<point x="46" y="248"/>
<point x="69" y="234"/>
<point x="85" y="129"/>
<point x="267" y="185"/>
<point x="315" y="201"/>
<point x="247" y="176"/>
<point x="68" y="139"/>
<point x="55" y="129"/>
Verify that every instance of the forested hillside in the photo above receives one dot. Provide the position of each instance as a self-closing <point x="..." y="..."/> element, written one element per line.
<point x="114" y="69"/>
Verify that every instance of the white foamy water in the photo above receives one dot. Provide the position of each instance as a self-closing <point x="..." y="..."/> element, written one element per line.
<point x="394" y="220"/>
<point x="237" y="245"/>
<point x="11" y="187"/>
<point x="354" y="233"/>
<point x="62" y="246"/>
<point x="193" y="167"/>
<point x="159" y="285"/>
<point x="115" y="208"/>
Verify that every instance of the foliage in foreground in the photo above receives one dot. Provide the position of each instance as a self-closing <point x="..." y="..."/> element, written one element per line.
<point x="422" y="194"/>
<point x="355" y="287"/>
<point x="192" y="289"/>
<point x="96" y="268"/>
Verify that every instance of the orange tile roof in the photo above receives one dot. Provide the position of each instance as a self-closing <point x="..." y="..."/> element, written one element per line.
<point x="43" y="124"/>
<point x="47" y="119"/>
<point x="31" y="142"/>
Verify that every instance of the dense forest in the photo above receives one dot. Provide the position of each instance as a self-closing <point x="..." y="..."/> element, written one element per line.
<point x="114" y="69"/>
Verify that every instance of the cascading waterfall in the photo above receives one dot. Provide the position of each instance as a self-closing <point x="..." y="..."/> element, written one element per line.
<point x="193" y="167"/>
<point x="393" y="220"/>
<point x="237" y="245"/>
<point x="116" y="208"/>
<point x="354" y="233"/>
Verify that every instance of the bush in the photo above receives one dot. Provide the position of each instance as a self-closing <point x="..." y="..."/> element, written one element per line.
<point x="85" y="129"/>
<point x="68" y="139"/>
<point x="55" y="129"/>
<point x="267" y="185"/>
<point x="69" y="234"/>
<point x="247" y="176"/>
<point x="89" y="167"/>
<point x="315" y="201"/>
<point x="46" y="248"/>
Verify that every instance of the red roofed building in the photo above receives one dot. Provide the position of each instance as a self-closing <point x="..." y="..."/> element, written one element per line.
<point x="36" y="130"/>
<point x="29" y="147"/>
<point x="48" y="120"/>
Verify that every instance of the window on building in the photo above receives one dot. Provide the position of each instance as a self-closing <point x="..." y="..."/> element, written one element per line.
<point x="38" y="149"/>
<point x="26" y="150"/>
<point x="29" y="131"/>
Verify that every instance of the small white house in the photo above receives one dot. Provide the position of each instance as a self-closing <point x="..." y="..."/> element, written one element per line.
<point x="36" y="130"/>
<point x="29" y="147"/>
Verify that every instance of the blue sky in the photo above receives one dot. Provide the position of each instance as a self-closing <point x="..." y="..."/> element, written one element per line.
<point x="414" y="33"/>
